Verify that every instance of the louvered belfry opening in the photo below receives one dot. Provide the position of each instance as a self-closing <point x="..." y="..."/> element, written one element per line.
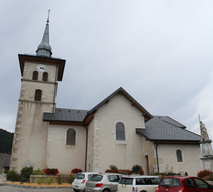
<point x="38" y="95"/>
<point x="71" y="136"/>
<point x="35" y="75"/>
<point x="45" y="76"/>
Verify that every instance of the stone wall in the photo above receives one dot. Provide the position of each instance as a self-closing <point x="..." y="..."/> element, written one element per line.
<point x="64" y="178"/>
<point x="3" y="178"/>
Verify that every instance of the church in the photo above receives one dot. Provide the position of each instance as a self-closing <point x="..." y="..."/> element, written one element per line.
<point x="117" y="131"/>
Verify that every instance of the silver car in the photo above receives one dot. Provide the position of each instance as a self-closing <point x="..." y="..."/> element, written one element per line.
<point x="106" y="182"/>
<point x="80" y="180"/>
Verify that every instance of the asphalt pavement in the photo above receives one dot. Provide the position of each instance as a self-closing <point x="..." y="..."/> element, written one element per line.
<point x="7" y="188"/>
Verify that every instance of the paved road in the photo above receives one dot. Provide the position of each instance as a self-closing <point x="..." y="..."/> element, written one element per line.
<point x="6" y="188"/>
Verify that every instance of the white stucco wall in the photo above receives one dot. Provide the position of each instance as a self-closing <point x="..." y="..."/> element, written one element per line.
<point x="106" y="150"/>
<point x="30" y="67"/>
<point x="62" y="156"/>
<point x="148" y="150"/>
<point x="30" y="138"/>
<point x="191" y="155"/>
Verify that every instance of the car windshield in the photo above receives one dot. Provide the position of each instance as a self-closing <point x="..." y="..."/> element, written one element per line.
<point x="126" y="181"/>
<point x="170" y="182"/>
<point x="96" y="178"/>
<point x="147" y="181"/>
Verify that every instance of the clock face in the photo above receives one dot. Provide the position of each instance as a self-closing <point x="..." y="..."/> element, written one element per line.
<point x="41" y="68"/>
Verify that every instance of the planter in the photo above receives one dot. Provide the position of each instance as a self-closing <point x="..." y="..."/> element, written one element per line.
<point x="64" y="178"/>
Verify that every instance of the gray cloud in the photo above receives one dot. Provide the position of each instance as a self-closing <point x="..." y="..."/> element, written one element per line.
<point x="159" y="51"/>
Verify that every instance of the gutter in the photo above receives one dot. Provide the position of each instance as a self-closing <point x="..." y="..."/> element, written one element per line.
<point x="85" y="168"/>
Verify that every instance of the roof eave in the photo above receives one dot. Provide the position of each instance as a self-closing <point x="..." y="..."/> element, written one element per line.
<point x="145" y="113"/>
<point x="31" y="58"/>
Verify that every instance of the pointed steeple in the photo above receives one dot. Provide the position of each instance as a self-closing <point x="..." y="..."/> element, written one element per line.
<point x="44" y="49"/>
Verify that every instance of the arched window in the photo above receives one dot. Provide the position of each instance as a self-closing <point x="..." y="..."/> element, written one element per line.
<point x="71" y="135"/>
<point x="179" y="155"/>
<point x="38" y="95"/>
<point x="35" y="75"/>
<point x="120" y="131"/>
<point x="45" y="76"/>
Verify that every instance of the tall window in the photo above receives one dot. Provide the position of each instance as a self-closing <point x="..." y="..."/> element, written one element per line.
<point x="179" y="155"/>
<point x="38" y="95"/>
<point x="71" y="135"/>
<point x="120" y="131"/>
<point x="35" y="75"/>
<point x="45" y="76"/>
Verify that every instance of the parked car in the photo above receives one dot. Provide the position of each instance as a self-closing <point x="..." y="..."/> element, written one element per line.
<point x="136" y="183"/>
<point x="106" y="182"/>
<point x="80" y="180"/>
<point x="183" y="184"/>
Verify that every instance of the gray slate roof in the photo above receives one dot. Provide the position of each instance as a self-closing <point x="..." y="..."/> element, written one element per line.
<point x="5" y="160"/>
<point x="65" y="115"/>
<point x="164" y="128"/>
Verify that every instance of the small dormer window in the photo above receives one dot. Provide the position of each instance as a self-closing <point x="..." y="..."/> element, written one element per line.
<point x="38" y="94"/>
<point x="120" y="131"/>
<point x="45" y="76"/>
<point x="35" y="75"/>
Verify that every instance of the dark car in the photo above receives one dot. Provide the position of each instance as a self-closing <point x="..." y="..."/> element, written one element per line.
<point x="183" y="184"/>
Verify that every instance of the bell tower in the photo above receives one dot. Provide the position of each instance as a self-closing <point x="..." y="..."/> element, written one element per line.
<point x="40" y="76"/>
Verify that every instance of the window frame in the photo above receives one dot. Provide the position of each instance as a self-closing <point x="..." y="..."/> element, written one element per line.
<point x="179" y="155"/>
<point x="36" y="96"/>
<point x="69" y="138"/>
<point x="45" y="73"/>
<point x="120" y="135"/>
<point x="35" y="72"/>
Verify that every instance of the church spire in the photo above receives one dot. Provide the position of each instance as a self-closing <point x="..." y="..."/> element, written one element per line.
<point x="44" y="48"/>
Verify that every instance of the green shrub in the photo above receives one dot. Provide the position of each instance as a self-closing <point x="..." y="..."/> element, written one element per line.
<point x="58" y="179"/>
<point x="26" y="172"/>
<point x="113" y="167"/>
<point x="38" y="172"/>
<point x="39" y="181"/>
<point x="23" y="179"/>
<point x="71" y="178"/>
<point x="49" y="181"/>
<point x="136" y="168"/>
<point x="13" y="176"/>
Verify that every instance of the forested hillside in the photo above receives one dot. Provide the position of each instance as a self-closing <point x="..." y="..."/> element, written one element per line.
<point x="6" y="140"/>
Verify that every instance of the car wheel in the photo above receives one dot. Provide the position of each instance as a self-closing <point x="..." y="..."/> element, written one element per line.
<point x="106" y="190"/>
<point x="76" y="190"/>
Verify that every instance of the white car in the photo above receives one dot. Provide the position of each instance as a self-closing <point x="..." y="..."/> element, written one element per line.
<point x="136" y="183"/>
<point x="80" y="180"/>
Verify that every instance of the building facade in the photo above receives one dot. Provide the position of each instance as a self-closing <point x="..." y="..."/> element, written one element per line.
<point x="116" y="131"/>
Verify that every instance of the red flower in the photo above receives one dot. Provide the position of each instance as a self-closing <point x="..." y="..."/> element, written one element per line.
<point x="76" y="170"/>
<point x="48" y="171"/>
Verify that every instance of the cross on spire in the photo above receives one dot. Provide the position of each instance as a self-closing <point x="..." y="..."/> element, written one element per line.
<point x="44" y="48"/>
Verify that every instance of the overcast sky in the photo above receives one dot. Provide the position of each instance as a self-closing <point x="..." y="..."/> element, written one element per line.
<point x="159" y="51"/>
